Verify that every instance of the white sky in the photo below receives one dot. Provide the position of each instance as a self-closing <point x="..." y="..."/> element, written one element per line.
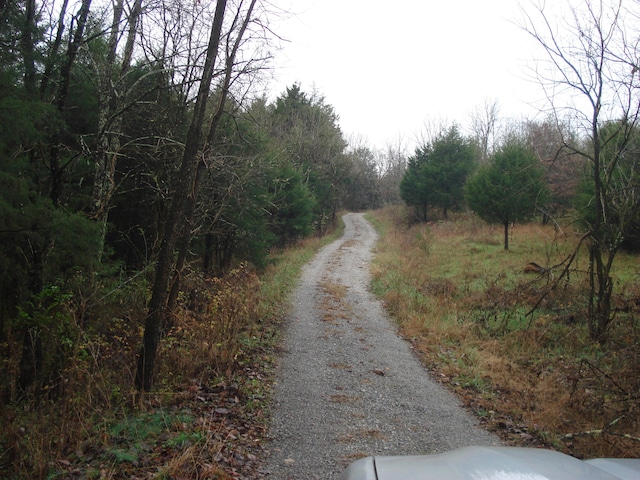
<point x="389" y="67"/>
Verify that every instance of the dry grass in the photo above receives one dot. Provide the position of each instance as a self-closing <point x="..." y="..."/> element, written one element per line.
<point x="89" y="422"/>
<point x="333" y="306"/>
<point x="515" y="346"/>
<point x="340" y="365"/>
<point x="207" y="335"/>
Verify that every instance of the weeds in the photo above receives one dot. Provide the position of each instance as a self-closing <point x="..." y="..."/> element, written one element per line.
<point x="512" y="343"/>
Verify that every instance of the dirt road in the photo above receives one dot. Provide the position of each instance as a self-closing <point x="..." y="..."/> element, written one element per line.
<point x="347" y="385"/>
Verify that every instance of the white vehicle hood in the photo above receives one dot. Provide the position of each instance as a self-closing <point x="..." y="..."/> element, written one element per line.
<point x="492" y="463"/>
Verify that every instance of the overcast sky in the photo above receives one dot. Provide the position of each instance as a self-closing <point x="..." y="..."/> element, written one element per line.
<point x="388" y="66"/>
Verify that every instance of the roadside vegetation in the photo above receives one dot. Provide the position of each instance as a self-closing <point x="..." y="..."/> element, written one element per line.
<point x="508" y="329"/>
<point x="207" y="416"/>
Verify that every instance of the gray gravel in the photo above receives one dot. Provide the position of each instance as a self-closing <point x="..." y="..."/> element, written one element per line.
<point x="348" y="386"/>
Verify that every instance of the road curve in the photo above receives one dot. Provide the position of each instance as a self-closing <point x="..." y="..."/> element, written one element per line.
<point x="347" y="385"/>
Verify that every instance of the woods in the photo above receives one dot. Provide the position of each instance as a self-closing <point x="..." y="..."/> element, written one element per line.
<point x="126" y="141"/>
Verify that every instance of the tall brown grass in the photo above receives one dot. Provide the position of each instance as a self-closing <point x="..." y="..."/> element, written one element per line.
<point x="515" y="345"/>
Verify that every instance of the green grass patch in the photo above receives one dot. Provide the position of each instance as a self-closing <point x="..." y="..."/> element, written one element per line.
<point x="139" y="434"/>
<point x="147" y="425"/>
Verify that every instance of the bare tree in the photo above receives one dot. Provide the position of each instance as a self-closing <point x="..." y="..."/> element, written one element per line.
<point x="432" y="128"/>
<point x="184" y="183"/>
<point x="233" y="44"/>
<point x="150" y="45"/>
<point x="563" y="168"/>
<point x="591" y="77"/>
<point x="483" y="124"/>
<point x="392" y="163"/>
<point x="55" y="166"/>
<point x="198" y="148"/>
<point x="112" y="93"/>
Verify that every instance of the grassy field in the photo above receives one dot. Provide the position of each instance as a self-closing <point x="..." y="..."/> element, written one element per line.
<point x="514" y="345"/>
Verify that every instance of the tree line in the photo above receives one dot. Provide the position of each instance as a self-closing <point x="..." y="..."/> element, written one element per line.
<point x="447" y="173"/>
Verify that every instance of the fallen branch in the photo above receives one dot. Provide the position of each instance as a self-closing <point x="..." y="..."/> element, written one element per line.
<point x="600" y="431"/>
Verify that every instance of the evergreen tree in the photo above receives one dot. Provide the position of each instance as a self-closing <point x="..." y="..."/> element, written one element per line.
<point x="306" y="128"/>
<point x="437" y="173"/>
<point x="508" y="188"/>
<point x="451" y="159"/>
<point x="293" y="205"/>
<point x="414" y="186"/>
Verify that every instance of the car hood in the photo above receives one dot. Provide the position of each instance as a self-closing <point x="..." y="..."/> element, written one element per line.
<point x="492" y="463"/>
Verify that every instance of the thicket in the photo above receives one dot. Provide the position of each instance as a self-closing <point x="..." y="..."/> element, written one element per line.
<point x="206" y="417"/>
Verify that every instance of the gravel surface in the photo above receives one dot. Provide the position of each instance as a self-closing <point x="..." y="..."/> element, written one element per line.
<point x="348" y="386"/>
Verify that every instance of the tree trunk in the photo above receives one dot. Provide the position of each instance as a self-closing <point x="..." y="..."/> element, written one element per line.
<point x="184" y="184"/>
<point x="27" y="47"/>
<point x="55" y="168"/>
<point x="190" y="205"/>
<point x="53" y="52"/>
<point x="601" y="288"/>
<point x="110" y="117"/>
<point x="32" y="354"/>
<point x="506" y="235"/>
<point x="599" y="307"/>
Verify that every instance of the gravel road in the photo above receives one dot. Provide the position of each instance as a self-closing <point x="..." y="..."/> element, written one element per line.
<point x="347" y="385"/>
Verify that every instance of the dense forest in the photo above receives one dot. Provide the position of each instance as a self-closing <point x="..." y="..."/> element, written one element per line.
<point x="138" y="148"/>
